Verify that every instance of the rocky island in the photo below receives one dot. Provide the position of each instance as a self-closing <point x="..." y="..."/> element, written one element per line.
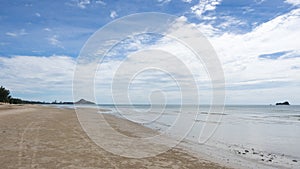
<point x="82" y="101"/>
<point x="283" y="103"/>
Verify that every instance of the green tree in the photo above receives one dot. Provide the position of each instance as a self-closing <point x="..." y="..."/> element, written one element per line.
<point x="4" y="94"/>
<point x="15" y="101"/>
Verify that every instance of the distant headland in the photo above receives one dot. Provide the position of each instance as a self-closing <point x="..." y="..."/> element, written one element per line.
<point x="283" y="103"/>
<point x="82" y="101"/>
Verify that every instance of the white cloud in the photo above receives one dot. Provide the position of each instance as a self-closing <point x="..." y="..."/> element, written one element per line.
<point x="230" y="21"/>
<point x="37" y="14"/>
<point x="83" y="3"/>
<point x="247" y="10"/>
<point x="246" y="74"/>
<point x="204" y="6"/>
<point x="32" y="75"/>
<point x="100" y="2"/>
<point x="187" y="1"/>
<point x="293" y="2"/>
<point x="273" y="36"/>
<point x="47" y="29"/>
<point x="259" y="1"/>
<point x="113" y="14"/>
<point x="239" y="55"/>
<point x="11" y="34"/>
<point x="180" y="62"/>
<point x="208" y="17"/>
<point x="207" y="30"/>
<point x="53" y="40"/>
<point x="163" y="2"/>
<point x="17" y="33"/>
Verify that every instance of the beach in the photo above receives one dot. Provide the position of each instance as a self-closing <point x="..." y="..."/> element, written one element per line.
<point x="35" y="136"/>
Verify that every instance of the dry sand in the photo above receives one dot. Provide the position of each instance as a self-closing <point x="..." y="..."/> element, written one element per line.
<point x="33" y="136"/>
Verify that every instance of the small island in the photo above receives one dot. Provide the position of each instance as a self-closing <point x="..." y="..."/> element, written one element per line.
<point x="283" y="103"/>
<point x="82" y="101"/>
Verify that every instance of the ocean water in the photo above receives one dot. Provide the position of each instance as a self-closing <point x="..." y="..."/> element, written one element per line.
<point x="267" y="135"/>
<point x="275" y="129"/>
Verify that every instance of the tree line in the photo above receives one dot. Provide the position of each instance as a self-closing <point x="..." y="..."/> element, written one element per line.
<point x="5" y="97"/>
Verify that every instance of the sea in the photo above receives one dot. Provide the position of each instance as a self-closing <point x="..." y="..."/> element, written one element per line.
<point x="244" y="136"/>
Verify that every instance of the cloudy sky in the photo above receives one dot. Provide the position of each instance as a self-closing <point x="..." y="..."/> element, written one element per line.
<point x="257" y="43"/>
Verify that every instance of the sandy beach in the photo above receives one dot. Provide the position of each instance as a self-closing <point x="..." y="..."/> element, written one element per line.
<point x="34" y="136"/>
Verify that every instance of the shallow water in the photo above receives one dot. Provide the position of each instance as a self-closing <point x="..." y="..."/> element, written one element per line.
<point x="275" y="129"/>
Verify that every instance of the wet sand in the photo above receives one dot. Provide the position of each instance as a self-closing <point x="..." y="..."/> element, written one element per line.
<point x="33" y="136"/>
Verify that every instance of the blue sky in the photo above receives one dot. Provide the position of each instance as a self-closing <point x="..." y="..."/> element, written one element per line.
<point x="62" y="27"/>
<point x="256" y="41"/>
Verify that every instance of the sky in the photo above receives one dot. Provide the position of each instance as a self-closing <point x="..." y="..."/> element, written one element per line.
<point x="256" y="42"/>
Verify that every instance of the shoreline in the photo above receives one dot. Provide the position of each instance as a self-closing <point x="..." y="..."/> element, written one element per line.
<point x="34" y="136"/>
<point x="237" y="156"/>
